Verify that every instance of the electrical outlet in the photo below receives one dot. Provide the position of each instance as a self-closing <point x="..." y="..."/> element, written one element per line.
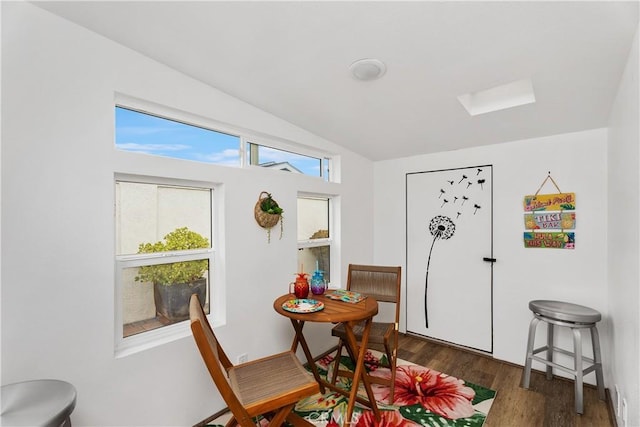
<point x="243" y="358"/>
<point x="624" y="412"/>
<point x="618" y="400"/>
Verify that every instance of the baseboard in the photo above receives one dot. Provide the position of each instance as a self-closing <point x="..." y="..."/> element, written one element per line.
<point x="612" y="410"/>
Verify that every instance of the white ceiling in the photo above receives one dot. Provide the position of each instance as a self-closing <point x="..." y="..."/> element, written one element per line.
<point x="292" y="58"/>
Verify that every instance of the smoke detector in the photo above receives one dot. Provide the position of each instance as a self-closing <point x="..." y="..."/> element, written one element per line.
<point x="368" y="69"/>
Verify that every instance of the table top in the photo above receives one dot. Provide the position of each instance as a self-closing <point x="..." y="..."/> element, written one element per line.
<point x="334" y="311"/>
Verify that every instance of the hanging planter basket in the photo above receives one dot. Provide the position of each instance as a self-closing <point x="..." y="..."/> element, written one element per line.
<point x="268" y="213"/>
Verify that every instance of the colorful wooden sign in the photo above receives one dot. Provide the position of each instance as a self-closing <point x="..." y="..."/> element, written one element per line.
<point x="555" y="240"/>
<point x="549" y="220"/>
<point x="550" y="202"/>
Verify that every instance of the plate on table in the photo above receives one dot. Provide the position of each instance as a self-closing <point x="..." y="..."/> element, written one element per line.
<point x="303" y="305"/>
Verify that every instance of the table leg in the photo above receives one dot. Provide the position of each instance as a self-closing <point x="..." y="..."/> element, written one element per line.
<point x="360" y="372"/>
<point x="299" y="338"/>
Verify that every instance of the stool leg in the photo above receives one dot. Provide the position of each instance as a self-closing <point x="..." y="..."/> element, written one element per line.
<point x="526" y="374"/>
<point x="550" y="350"/>
<point x="597" y="360"/>
<point x="577" y="362"/>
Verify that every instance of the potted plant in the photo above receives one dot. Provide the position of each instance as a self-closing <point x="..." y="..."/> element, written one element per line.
<point x="174" y="283"/>
<point x="268" y="213"/>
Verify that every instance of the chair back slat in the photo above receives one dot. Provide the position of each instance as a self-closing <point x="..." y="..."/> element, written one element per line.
<point x="379" y="282"/>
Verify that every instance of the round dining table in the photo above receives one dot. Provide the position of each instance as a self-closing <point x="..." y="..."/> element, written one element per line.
<point x="327" y="310"/>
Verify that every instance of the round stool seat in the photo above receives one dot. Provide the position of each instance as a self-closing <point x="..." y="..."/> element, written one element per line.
<point x="565" y="311"/>
<point x="37" y="403"/>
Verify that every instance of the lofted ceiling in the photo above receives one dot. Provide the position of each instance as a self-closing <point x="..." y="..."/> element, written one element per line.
<point x="292" y="60"/>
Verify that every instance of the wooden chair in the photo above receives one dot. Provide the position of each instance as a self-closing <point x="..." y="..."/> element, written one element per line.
<point x="383" y="284"/>
<point x="270" y="386"/>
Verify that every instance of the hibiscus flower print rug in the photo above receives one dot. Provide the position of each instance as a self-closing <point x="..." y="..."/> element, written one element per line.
<point x="422" y="397"/>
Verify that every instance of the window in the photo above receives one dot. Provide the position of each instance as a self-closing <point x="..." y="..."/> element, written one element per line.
<point x="145" y="133"/>
<point x="163" y="240"/>
<point x="268" y="157"/>
<point x="314" y="235"/>
<point x="140" y="132"/>
<point x="153" y="212"/>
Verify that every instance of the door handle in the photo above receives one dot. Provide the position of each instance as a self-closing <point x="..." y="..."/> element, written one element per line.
<point x="489" y="259"/>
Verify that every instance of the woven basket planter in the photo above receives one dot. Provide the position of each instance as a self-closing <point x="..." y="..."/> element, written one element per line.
<point x="265" y="219"/>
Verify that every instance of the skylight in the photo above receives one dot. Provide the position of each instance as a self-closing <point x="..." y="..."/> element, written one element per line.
<point x="497" y="98"/>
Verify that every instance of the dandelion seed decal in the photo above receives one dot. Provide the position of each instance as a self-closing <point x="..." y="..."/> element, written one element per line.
<point x="478" y="173"/>
<point x="482" y="181"/>
<point x="458" y="216"/>
<point x="464" y="199"/>
<point x="441" y="227"/>
<point x="477" y="207"/>
<point x="445" y="201"/>
<point x="455" y="198"/>
<point x="450" y="182"/>
<point x="469" y="183"/>
<point x="462" y="179"/>
<point x="441" y="193"/>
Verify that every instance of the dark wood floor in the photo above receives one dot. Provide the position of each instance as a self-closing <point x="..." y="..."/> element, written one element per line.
<point x="546" y="403"/>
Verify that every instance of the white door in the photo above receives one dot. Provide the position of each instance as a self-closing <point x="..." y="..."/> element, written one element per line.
<point x="450" y="256"/>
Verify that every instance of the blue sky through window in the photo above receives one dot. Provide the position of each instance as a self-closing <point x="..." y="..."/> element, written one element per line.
<point x="144" y="133"/>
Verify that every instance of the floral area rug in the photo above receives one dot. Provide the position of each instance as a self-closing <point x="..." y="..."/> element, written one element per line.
<point x="422" y="397"/>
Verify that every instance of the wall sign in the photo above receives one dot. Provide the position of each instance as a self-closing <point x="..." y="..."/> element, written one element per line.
<point x="547" y="216"/>
<point x="547" y="220"/>
<point x="550" y="202"/>
<point x="555" y="240"/>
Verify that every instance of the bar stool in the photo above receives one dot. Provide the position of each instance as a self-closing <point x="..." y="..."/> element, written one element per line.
<point x="46" y="403"/>
<point x="578" y="318"/>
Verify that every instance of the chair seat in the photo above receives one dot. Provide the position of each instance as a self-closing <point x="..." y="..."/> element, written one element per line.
<point x="37" y="403"/>
<point x="376" y="336"/>
<point x="565" y="311"/>
<point x="280" y="375"/>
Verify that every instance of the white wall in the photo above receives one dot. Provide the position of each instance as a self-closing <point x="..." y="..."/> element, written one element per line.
<point x="58" y="163"/>
<point x="577" y="162"/>
<point x="624" y="239"/>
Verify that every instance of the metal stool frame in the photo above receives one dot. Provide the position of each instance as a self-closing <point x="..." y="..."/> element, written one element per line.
<point x="578" y="357"/>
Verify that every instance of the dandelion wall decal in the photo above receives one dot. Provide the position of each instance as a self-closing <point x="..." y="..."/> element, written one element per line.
<point x="441" y="193"/>
<point x="462" y="179"/>
<point x="464" y="199"/>
<point x="477" y="207"/>
<point x="450" y="182"/>
<point x="478" y="173"/>
<point x="441" y="228"/>
<point x="482" y="181"/>
<point x="469" y="183"/>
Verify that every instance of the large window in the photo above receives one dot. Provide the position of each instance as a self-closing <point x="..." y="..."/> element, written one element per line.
<point x="314" y="235"/>
<point x="141" y="132"/>
<point x="165" y="225"/>
<point x="163" y="251"/>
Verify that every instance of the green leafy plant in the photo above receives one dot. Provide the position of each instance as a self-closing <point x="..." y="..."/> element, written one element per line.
<point x="269" y="205"/>
<point x="177" y="272"/>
